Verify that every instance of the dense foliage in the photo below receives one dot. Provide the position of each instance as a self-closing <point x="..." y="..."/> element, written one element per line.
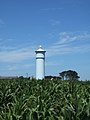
<point x="24" y="99"/>
<point x="69" y="75"/>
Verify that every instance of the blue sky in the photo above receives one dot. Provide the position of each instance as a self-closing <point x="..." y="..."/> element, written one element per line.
<point x="62" y="27"/>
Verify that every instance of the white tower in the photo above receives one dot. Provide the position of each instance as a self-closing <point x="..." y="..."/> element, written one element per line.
<point x="40" y="63"/>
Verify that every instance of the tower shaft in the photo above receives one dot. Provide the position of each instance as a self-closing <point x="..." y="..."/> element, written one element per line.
<point x="40" y="63"/>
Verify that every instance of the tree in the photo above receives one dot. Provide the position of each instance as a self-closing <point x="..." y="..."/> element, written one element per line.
<point x="62" y="74"/>
<point x="69" y="75"/>
<point x="72" y="75"/>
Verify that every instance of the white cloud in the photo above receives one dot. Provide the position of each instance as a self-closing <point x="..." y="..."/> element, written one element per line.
<point x="1" y="21"/>
<point x="16" y="55"/>
<point x="70" y="42"/>
<point x="54" y="22"/>
<point x="12" y="52"/>
<point x="68" y="37"/>
<point x="18" y="67"/>
<point x="51" y="9"/>
<point x="51" y="64"/>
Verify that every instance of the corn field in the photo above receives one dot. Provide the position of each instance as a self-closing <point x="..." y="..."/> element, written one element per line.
<point x="23" y="99"/>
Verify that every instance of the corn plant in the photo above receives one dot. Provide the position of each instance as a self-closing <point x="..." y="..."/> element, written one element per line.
<point x="23" y="99"/>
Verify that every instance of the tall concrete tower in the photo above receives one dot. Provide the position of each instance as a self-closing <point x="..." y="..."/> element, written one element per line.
<point x="40" y="63"/>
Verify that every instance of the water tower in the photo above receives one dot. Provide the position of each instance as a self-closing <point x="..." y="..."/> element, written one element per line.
<point x="40" y="63"/>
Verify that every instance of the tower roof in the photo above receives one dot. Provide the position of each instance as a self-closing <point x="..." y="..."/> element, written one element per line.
<point x="40" y="49"/>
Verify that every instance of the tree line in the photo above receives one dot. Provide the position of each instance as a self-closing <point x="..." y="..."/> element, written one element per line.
<point x="65" y="75"/>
